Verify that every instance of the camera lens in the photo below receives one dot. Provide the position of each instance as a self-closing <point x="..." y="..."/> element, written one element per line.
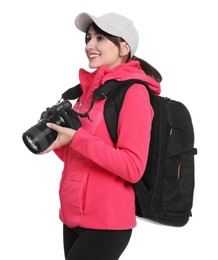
<point x="31" y="142"/>
<point x="39" y="137"/>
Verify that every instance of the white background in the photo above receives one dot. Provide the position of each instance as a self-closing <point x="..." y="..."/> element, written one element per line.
<point x="40" y="54"/>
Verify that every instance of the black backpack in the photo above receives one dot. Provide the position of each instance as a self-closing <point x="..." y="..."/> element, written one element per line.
<point x="165" y="192"/>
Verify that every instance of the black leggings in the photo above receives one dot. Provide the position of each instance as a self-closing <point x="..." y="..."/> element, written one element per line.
<point x="92" y="244"/>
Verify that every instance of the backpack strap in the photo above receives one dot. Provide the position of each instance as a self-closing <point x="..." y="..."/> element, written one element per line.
<point x="114" y="103"/>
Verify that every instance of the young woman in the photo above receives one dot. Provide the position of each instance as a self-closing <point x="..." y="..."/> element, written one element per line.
<point x="96" y="194"/>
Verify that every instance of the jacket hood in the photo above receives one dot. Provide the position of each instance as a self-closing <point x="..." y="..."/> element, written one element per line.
<point x="125" y="71"/>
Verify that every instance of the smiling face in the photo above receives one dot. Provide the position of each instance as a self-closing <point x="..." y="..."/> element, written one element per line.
<point x="102" y="51"/>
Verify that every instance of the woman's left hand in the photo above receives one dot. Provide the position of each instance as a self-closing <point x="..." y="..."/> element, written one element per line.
<point x="65" y="136"/>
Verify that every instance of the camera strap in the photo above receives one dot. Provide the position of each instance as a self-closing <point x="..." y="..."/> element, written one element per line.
<point x="72" y="93"/>
<point x="100" y="93"/>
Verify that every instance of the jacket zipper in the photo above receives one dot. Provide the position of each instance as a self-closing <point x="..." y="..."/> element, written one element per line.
<point x="80" y="105"/>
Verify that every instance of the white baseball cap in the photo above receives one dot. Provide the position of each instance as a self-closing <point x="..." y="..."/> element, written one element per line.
<point x="112" y="23"/>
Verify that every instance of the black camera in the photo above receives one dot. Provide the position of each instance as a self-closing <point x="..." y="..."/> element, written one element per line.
<point x="39" y="137"/>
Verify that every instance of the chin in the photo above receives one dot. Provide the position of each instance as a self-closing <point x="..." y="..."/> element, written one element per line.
<point x="94" y="65"/>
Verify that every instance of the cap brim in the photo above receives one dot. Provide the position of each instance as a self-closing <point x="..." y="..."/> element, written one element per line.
<point x="83" y="21"/>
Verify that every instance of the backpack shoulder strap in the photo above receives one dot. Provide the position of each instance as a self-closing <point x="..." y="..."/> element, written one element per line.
<point x="112" y="109"/>
<point x="114" y="103"/>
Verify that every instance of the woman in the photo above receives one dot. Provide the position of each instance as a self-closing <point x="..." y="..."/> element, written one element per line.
<point x="96" y="193"/>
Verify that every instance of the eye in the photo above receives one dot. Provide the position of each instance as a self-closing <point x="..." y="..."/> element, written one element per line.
<point x="100" y="38"/>
<point x="97" y="37"/>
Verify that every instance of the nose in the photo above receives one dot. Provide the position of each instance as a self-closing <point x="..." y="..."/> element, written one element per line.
<point x="90" y="44"/>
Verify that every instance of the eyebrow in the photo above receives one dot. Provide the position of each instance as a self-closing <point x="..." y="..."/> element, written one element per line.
<point x="95" y="33"/>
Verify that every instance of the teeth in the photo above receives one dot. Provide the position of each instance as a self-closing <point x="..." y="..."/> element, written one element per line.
<point x="93" y="55"/>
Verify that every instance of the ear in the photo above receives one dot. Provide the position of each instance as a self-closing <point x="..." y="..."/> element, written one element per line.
<point x="124" y="49"/>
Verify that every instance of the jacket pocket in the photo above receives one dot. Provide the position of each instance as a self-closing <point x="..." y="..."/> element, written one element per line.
<point x="73" y="191"/>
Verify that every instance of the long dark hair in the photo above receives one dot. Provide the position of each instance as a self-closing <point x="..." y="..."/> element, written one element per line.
<point x="146" y="67"/>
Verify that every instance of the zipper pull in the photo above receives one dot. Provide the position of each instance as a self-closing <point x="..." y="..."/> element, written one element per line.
<point x="170" y="129"/>
<point x="80" y="105"/>
<point x="179" y="171"/>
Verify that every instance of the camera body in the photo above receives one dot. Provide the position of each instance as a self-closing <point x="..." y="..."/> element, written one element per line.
<point x="39" y="137"/>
